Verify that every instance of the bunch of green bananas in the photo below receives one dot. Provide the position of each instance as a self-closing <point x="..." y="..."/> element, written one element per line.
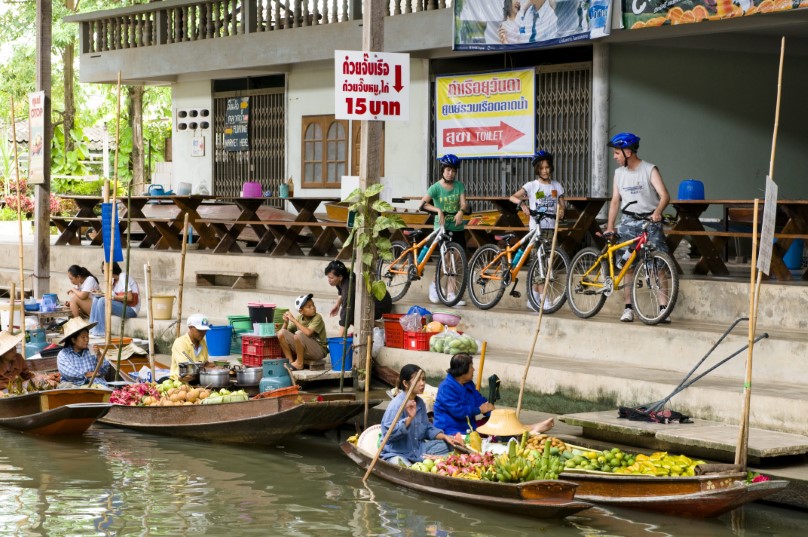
<point x="520" y="465"/>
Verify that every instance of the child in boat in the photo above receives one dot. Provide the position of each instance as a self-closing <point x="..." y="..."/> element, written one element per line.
<point x="304" y="333"/>
<point x="14" y="369"/>
<point x="413" y="436"/>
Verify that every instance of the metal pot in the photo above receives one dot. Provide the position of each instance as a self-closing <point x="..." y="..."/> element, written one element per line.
<point x="249" y="376"/>
<point x="215" y="378"/>
<point x="189" y="369"/>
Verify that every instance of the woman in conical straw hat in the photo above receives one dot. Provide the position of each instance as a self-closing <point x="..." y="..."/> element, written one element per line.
<point x="75" y="361"/>
<point x="13" y="365"/>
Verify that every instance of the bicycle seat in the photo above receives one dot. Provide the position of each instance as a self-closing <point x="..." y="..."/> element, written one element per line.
<point x="506" y="237"/>
<point x="413" y="233"/>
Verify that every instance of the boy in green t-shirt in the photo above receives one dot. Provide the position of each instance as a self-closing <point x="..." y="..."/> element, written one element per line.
<point x="305" y="333"/>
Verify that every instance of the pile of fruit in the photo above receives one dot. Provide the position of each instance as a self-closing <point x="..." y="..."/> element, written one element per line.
<point x="172" y="393"/>
<point x="452" y="343"/>
<point x="464" y="466"/>
<point x="615" y="461"/>
<point x="538" y="441"/>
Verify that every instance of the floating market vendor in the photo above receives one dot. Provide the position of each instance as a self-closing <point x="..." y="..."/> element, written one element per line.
<point x="191" y="347"/>
<point x="458" y="402"/>
<point x="75" y="361"/>
<point x="413" y="436"/>
<point x="13" y="367"/>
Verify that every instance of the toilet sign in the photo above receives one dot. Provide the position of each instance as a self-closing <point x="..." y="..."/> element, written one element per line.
<point x="371" y="85"/>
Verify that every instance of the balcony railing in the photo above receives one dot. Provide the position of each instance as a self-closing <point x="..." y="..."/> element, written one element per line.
<point x="171" y="21"/>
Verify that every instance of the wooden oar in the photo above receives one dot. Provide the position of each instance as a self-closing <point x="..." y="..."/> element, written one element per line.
<point x="150" y="313"/>
<point x="11" y="301"/>
<point x="393" y="425"/>
<point x="182" y="273"/>
<point x="482" y="364"/>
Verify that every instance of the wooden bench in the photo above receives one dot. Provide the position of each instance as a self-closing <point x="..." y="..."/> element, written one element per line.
<point x="233" y="280"/>
<point x="71" y="228"/>
<point x="278" y="237"/>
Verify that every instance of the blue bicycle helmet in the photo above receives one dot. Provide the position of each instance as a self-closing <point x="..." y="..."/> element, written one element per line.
<point x="449" y="160"/>
<point x="625" y="140"/>
<point x="543" y="155"/>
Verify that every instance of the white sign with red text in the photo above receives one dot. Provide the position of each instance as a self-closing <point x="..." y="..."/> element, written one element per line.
<point x="36" y="138"/>
<point x="371" y="85"/>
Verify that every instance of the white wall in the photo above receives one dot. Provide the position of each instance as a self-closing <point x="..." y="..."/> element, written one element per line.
<point x="186" y="168"/>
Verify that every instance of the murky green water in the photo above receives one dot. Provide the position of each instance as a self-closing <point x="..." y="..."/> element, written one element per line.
<point x="115" y="482"/>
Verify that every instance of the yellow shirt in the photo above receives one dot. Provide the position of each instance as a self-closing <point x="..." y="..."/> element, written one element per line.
<point x="183" y="351"/>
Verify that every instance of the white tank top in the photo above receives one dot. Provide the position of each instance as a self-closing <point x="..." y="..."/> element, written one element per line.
<point x="635" y="186"/>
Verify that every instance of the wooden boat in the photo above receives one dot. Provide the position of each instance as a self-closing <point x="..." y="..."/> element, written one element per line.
<point x="537" y="499"/>
<point x="338" y="212"/>
<point x="54" y="412"/>
<point x="257" y="421"/>
<point x="701" y="496"/>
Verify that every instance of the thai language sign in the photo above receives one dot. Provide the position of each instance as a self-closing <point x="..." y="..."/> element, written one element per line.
<point x="237" y="124"/>
<point x="518" y="24"/>
<point x="486" y="115"/>
<point x="371" y="85"/>
<point x="649" y="13"/>
<point x="36" y="138"/>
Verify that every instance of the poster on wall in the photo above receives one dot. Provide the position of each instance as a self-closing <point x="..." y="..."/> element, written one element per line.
<point x="651" y="13"/>
<point x="237" y="124"/>
<point x="36" y="138"/>
<point x="524" y="24"/>
<point x="486" y="115"/>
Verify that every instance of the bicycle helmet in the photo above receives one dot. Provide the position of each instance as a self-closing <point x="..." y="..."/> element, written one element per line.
<point x="543" y="155"/>
<point x="625" y="140"/>
<point x="449" y="160"/>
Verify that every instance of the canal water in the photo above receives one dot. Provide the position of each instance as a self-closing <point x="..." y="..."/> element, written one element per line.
<point x="115" y="482"/>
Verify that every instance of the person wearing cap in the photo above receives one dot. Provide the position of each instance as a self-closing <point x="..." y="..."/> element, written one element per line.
<point x="191" y="346"/>
<point x="304" y="333"/>
<point x="458" y="402"/>
<point x="337" y="275"/>
<point x="76" y="363"/>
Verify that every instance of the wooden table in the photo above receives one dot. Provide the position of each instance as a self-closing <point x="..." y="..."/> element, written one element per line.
<point x="70" y="228"/>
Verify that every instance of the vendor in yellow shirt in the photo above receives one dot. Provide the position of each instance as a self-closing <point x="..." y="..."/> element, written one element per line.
<point x="191" y="347"/>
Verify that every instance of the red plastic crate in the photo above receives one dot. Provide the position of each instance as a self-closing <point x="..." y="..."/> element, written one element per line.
<point x="417" y="341"/>
<point x="252" y="360"/>
<point x="263" y="346"/>
<point x="393" y="332"/>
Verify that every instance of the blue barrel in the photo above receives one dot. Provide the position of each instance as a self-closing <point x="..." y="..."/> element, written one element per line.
<point x="691" y="189"/>
<point x="218" y="338"/>
<point x="335" y="349"/>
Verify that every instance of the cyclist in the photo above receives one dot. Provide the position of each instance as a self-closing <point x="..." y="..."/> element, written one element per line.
<point x="639" y="183"/>
<point x="447" y="199"/>
<point x="543" y="193"/>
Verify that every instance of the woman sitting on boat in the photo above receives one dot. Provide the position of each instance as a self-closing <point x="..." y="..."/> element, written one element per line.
<point x="413" y="436"/>
<point x="80" y="299"/>
<point x="75" y="361"/>
<point x="14" y="369"/>
<point x="458" y="402"/>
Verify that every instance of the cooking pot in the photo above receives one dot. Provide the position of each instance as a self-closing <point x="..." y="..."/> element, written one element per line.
<point x="215" y="378"/>
<point x="249" y="376"/>
<point x="189" y="369"/>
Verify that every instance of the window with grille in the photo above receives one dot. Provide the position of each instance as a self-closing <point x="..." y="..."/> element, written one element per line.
<point x="325" y="151"/>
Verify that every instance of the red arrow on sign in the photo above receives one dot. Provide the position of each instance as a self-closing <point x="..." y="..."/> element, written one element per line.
<point x="500" y="136"/>
<point x="398" y="86"/>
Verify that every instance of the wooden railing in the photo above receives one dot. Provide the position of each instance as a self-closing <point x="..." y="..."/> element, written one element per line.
<point x="171" y="21"/>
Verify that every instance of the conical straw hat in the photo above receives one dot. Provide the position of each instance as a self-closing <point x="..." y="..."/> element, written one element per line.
<point x="503" y="422"/>
<point x="74" y="326"/>
<point x="9" y="341"/>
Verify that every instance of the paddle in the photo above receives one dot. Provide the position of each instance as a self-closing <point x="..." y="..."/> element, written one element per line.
<point x="415" y="381"/>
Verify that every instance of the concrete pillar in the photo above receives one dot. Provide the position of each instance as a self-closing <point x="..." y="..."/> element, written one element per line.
<point x="600" y="120"/>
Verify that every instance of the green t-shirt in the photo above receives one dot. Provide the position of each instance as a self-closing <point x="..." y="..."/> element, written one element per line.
<point x="317" y="324"/>
<point x="447" y="201"/>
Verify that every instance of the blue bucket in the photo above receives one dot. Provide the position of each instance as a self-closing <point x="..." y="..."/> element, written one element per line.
<point x="793" y="256"/>
<point x="218" y="338"/>
<point x="335" y="348"/>
<point x="691" y="189"/>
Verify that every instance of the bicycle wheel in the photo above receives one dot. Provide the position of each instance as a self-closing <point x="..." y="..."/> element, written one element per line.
<point x="656" y="287"/>
<point x="451" y="274"/>
<point x="554" y="294"/>
<point x="486" y="293"/>
<point x="398" y="283"/>
<point x="584" y="286"/>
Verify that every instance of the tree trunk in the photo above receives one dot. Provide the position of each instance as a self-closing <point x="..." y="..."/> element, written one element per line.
<point x="136" y="122"/>
<point x="70" y="105"/>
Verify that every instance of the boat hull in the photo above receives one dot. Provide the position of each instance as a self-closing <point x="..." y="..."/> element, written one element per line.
<point x="260" y="421"/>
<point x="537" y="499"/>
<point x="54" y="412"/>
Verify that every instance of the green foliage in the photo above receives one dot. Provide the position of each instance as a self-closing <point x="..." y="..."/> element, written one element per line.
<point x="7" y="214"/>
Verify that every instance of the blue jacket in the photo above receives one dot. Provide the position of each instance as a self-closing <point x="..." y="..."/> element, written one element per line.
<point x="407" y="442"/>
<point x="454" y="404"/>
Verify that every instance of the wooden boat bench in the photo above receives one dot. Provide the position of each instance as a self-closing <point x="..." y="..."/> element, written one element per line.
<point x="233" y="280"/>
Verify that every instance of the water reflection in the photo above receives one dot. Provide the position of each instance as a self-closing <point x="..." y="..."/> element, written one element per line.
<point x="115" y="482"/>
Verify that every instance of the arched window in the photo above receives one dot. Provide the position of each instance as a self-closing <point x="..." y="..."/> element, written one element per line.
<point x="324" y="151"/>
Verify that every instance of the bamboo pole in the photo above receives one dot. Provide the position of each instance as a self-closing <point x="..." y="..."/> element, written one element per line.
<point x="417" y="379"/>
<point x="182" y="274"/>
<point x="482" y="364"/>
<point x="367" y="379"/>
<point x="541" y="311"/>
<point x="19" y="220"/>
<point x="12" y="297"/>
<point x="150" y="313"/>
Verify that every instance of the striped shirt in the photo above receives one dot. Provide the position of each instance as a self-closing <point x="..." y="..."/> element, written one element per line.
<point x="74" y="365"/>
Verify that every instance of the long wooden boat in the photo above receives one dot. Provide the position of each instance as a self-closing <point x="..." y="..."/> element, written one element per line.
<point x="537" y="499"/>
<point x="54" y="412"/>
<point x="701" y="496"/>
<point x="338" y="212"/>
<point x="257" y="421"/>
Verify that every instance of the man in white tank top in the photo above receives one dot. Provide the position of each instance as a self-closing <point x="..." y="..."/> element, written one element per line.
<point x="640" y="184"/>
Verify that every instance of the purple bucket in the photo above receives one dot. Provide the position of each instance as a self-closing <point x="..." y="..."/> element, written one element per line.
<point x="252" y="190"/>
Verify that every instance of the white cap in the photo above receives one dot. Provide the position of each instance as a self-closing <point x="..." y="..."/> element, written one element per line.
<point x="301" y="301"/>
<point x="199" y="321"/>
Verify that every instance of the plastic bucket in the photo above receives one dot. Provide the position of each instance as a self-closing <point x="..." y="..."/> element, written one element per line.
<point x="240" y="323"/>
<point x="261" y="313"/>
<point x="184" y="189"/>
<point x="252" y="190"/>
<point x="278" y="317"/>
<point x="264" y="329"/>
<point x="793" y="256"/>
<point x="691" y="189"/>
<point x="283" y="190"/>
<point x="162" y="307"/>
<point x="218" y="338"/>
<point x="335" y="348"/>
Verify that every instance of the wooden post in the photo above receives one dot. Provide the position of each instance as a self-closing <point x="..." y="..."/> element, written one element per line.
<point x="395" y="420"/>
<point x="367" y="379"/>
<point x="19" y="224"/>
<point x="11" y="301"/>
<point x="541" y="312"/>
<point x="150" y="314"/>
<point x="44" y="42"/>
<point x="182" y="274"/>
<point x="482" y="364"/>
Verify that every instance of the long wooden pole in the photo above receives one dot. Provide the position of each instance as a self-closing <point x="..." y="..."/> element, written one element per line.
<point x="482" y="364"/>
<point x="182" y="274"/>
<point x="150" y="313"/>
<point x="395" y="420"/>
<point x="541" y="310"/>
<point x="11" y="301"/>
<point x="367" y="378"/>
<point x="19" y="220"/>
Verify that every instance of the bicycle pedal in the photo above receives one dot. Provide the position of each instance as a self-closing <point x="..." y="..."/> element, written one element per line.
<point x="516" y="294"/>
